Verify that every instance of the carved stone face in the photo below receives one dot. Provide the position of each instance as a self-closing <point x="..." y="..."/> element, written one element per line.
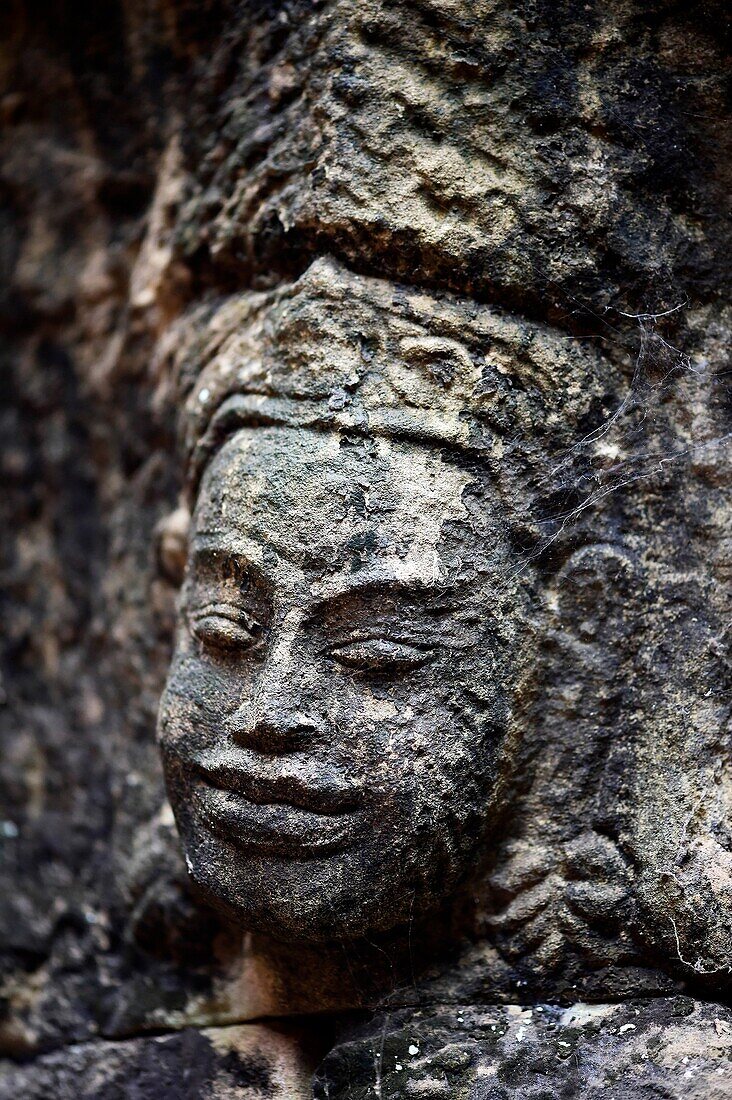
<point x="339" y="696"/>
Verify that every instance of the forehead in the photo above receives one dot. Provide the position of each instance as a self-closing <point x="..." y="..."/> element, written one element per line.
<point x="309" y="495"/>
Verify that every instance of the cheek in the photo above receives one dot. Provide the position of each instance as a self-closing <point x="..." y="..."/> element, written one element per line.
<point x="198" y="694"/>
<point x="442" y="752"/>
<point x="406" y="739"/>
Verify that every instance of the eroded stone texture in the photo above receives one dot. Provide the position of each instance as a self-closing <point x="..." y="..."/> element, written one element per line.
<point x="671" y="1048"/>
<point x="529" y="154"/>
<point x="476" y="256"/>
<point x="230" y="1063"/>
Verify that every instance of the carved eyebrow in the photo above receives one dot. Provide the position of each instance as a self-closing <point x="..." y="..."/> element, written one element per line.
<point x="379" y="586"/>
<point x="211" y="556"/>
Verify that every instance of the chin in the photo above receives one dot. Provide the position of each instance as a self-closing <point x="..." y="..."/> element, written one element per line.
<point x="298" y="900"/>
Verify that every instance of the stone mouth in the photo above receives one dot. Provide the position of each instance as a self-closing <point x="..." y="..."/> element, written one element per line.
<point x="274" y="783"/>
<point x="275" y="826"/>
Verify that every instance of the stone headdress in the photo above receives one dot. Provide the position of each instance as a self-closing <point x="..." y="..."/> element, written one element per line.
<point x="344" y="352"/>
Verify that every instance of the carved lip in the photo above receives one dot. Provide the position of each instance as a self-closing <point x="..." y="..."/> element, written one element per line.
<point x="275" y="828"/>
<point x="274" y="781"/>
<point x="282" y="814"/>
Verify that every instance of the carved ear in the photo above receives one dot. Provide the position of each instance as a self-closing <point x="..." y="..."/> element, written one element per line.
<point x="585" y="706"/>
<point x="594" y="589"/>
<point x="171" y="545"/>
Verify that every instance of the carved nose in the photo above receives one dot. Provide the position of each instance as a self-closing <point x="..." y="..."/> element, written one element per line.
<point x="273" y="720"/>
<point x="278" y="730"/>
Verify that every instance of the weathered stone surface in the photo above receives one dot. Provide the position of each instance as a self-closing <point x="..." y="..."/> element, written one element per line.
<point x="554" y="156"/>
<point x="485" y="247"/>
<point x="232" y="1063"/>
<point x="671" y="1048"/>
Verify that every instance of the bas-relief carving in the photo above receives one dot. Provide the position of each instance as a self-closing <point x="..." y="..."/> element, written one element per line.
<point x="413" y="699"/>
<point x="338" y="714"/>
<point x="382" y="483"/>
<point x="592" y="502"/>
<point x="339" y="720"/>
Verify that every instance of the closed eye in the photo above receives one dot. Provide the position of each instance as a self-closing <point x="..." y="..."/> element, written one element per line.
<point x="380" y="653"/>
<point x="227" y="631"/>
